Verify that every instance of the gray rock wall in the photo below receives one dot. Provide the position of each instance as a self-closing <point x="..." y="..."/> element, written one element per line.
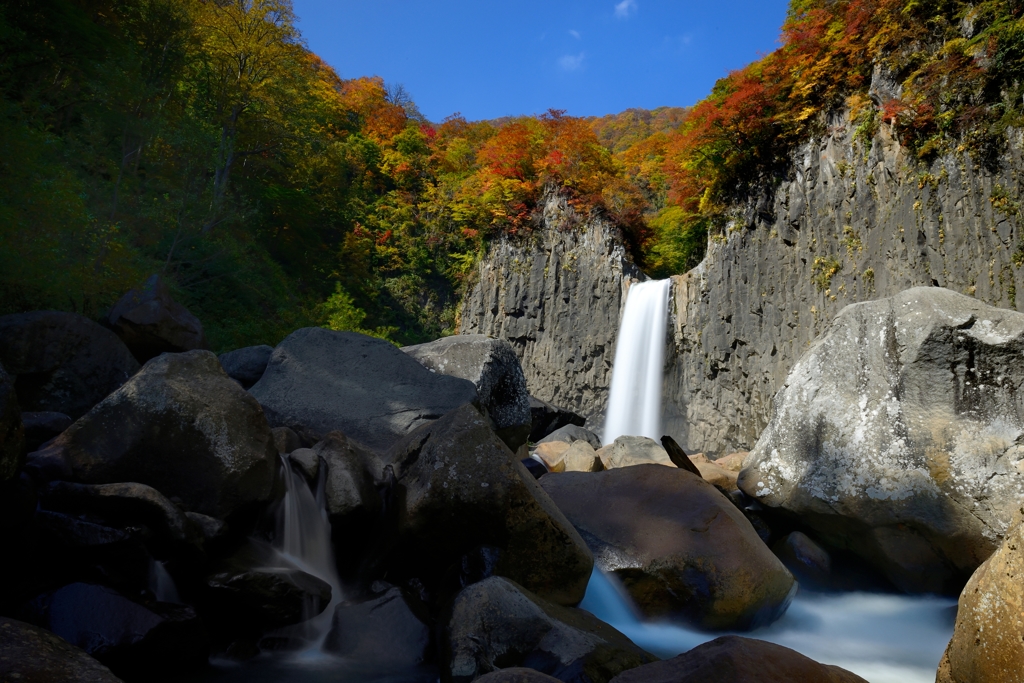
<point x="851" y="223"/>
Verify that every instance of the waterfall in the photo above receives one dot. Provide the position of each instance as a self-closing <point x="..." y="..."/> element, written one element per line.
<point x="161" y="584"/>
<point x="634" y="403"/>
<point x="304" y="540"/>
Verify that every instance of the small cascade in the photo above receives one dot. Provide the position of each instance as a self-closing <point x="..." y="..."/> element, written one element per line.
<point x="634" y="403"/>
<point x="304" y="540"/>
<point x="161" y="583"/>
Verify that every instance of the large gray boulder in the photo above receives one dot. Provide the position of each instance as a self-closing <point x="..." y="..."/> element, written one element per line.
<point x="132" y="639"/>
<point x="246" y="365"/>
<point x="988" y="639"/>
<point x="383" y="632"/>
<point x="466" y="505"/>
<point x="497" y="623"/>
<point x="151" y="322"/>
<point x="64" y="362"/>
<point x="679" y="546"/>
<point x="29" y="654"/>
<point x="898" y="435"/>
<point x="12" y="431"/>
<point x="350" y="488"/>
<point x="182" y="426"/>
<point x="319" y="381"/>
<point x="493" y="368"/>
<point x="733" y="659"/>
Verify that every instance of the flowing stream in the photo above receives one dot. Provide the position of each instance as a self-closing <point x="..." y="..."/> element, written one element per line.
<point x="634" y="402"/>
<point x="884" y="638"/>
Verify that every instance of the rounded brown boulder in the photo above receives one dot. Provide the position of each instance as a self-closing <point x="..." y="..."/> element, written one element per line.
<point x="733" y="659"/>
<point x="29" y="654"/>
<point x="679" y="546"/>
<point x="988" y="640"/>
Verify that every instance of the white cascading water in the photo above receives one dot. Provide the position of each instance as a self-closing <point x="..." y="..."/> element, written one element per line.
<point x="161" y="584"/>
<point x="884" y="638"/>
<point x="634" y="402"/>
<point x="304" y="540"/>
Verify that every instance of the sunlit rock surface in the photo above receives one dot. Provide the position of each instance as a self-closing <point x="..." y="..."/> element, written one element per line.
<point x="898" y="435"/>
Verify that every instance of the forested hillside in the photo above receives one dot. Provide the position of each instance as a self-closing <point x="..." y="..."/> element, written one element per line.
<point x="204" y="141"/>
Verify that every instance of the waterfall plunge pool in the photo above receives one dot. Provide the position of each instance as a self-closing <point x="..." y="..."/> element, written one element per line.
<point x="882" y="637"/>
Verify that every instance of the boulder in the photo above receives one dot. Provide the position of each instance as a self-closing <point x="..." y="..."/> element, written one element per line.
<point x="714" y="473"/>
<point x="125" y="504"/>
<point x="350" y="488"/>
<point x="307" y="461"/>
<point x="733" y="659"/>
<point x="679" y="546"/>
<point x="29" y="654"/>
<point x="151" y="322"/>
<point x="286" y="440"/>
<point x="40" y="427"/>
<point x="808" y="561"/>
<point x="516" y="674"/>
<point x="268" y="597"/>
<point x="581" y="457"/>
<point x="493" y="368"/>
<point x="130" y="638"/>
<point x="988" y="639"/>
<point x="384" y="633"/>
<point x="627" y="451"/>
<point x="65" y="532"/>
<point x="12" y="432"/>
<point x="570" y="434"/>
<point x="246" y="365"/>
<point x="899" y="435"/>
<point x="732" y="462"/>
<point x="497" y="624"/>
<point x="211" y="528"/>
<point x="319" y="381"/>
<point x="461" y="494"/>
<point x="552" y="454"/>
<point x="546" y="418"/>
<point x="182" y="426"/>
<point x="63" y="362"/>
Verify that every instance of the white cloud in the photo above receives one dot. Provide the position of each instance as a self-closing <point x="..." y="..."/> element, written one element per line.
<point x="575" y="34"/>
<point x="571" y="62"/>
<point x="625" y="9"/>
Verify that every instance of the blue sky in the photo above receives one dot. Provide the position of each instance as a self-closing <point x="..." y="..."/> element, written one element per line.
<point x="491" y="58"/>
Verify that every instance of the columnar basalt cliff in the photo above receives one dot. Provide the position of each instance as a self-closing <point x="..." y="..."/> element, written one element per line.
<point x="853" y="221"/>
<point x="556" y="296"/>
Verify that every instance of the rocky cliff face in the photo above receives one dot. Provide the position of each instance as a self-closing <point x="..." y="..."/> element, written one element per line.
<point x="852" y="222"/>
<point x="556" y="296"/>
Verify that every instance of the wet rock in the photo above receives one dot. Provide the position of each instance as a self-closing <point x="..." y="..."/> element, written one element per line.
<point x="29" y="654"/>
<point x="516" y="674"/>
<point x="808" y="561"/>
<point x="552" y="454"/>
<point x="307" y="461"/>
<point x="124" y="504"/>
<point x="286" y="440"/>
<point x="497" y="624"/>
<point x="546" y="418"/>
<point x="733" y="659"/>
<point x="571" y="434"/>
<point x="69" y="531"/>
<point x="678" y="545"/>
<point x="183" y="427"/>
<point x="261" y="598"/>
<point x="129" y="638"/>
<point x="988" y="639"/>
<point x="319" y="381"/>
<point x="384" y="632"/>
<point x="62" y="362"/>
<point x="211" y="528"/>
<point x="627" y="451"/>
<point x="898" y="436"/>
<point x="581" y="457"/>
<point x="246" y="365"/>
<point x="151" y="322"/>
<point x="460" y="491"/>
<point x="12" y="433"/>
<point x="41" y="427"/>
<point x="492" y="366"/>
